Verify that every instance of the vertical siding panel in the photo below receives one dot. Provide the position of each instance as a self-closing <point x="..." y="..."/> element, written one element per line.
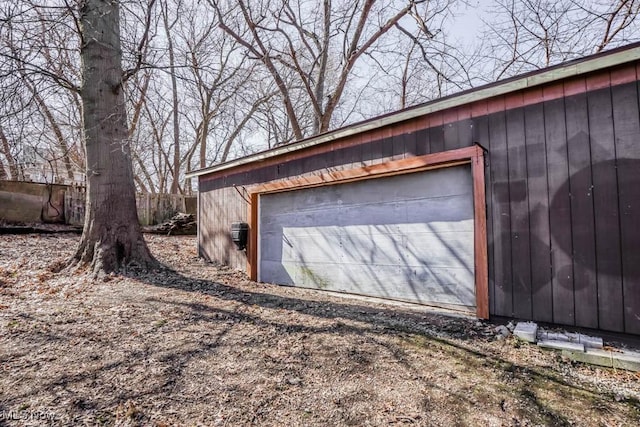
<point x="519" y="205"/>
<point x="387" y="149"/>
<point x="232" y="208"/>
<point x="240" y="215"/>
<point x="224" y="224"/>
<point x="199" y="231"/>
<point x="272" y="171"/>
<point x="423" y="145"/>
<point x="375" y="149"/>
<point x="232" y="199"/>
<point x="436" y="133"/>
<point x="410" y="142"/>
<point x="215" y="238"/>
<point x="203" y="215"/>
<point x="583" y="242"/>
<point x="356" y="155"/>
<point x="367" y="153"/>
<point x="208" y="209"/>
<point x="605" y="198"/>
<point x="465" y="133"/>
<point x="481" y="136"/>
<point x="294" y="167"/>
<point x="316" y="163"/>
<point x="330" y="157"/>
<point x="306" y="165"/>
<point x="501" y="214"/>
<point x="559" y="212"/>
<point x="539" y="236"/>
<point x="351" y="157"/>
<point x="398" y="147"/>
<point x="212" y="239"/>
<point x="626" y="117"/>
<point x="451" y="140"/>
<point x="233" y="216"/>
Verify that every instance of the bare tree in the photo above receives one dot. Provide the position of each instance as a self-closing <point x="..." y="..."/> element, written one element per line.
<point x="11" y="169"/>
<point x="169" y="23"/>
<point x="528" y="34"/>
<point x="310" y="53"/>
<point x="44" y="75"/>
<point x="421" y="60"/>
<point x="111" y="237"/>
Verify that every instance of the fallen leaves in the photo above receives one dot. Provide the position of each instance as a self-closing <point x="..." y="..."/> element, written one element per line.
<point x="202" y="345"/>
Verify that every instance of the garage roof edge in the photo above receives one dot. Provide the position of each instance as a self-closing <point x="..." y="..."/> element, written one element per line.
<point x="573" y="68"/>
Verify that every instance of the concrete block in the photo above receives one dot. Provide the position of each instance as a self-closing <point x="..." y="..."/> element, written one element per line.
<point x="627" y="360"/>
<point x="526" y="331"/>
<point x="561" y="345"/>
<point x="588" y="341"/>
<point x="551" y="336"/>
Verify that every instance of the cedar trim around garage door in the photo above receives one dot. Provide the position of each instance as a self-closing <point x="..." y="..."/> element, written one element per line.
<point x="470" y="155"/>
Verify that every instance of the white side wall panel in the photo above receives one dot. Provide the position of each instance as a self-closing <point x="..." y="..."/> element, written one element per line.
<point x="406" y="237"/>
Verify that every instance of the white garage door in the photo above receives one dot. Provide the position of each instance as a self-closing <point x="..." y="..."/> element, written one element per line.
<point x="407" y="237"/>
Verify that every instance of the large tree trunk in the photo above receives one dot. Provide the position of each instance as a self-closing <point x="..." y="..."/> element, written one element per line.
<point x="112" y="236"/>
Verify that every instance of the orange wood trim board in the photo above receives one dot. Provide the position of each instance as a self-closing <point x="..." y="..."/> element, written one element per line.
<point x="514" y="100"/>
<point x="532" y="96"/>
<point x="480" y="237"/>
<point x="552" y="92"/>
<point x="386" y="169"/>
<point x="252" y="249"/>
<point x="574" y="87"/>
<point x="598" y="81"/>
<point x="623" y="75"/>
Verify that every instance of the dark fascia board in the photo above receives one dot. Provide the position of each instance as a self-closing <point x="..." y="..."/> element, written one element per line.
<point x="565" y="70"/>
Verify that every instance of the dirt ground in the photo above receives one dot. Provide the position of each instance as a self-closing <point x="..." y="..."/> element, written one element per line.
<point x="202" y="346"/>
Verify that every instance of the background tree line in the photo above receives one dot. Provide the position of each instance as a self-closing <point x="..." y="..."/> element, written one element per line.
<point x="212" y="80"/>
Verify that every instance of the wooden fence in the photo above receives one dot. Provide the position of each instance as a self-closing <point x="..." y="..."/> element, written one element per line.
<point x="152" y="208"/>
<point x="30" y="202"/>
<point x="36" y="202"/>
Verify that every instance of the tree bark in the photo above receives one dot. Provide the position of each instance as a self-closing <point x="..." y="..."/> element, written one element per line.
<point x="175" y="183"/>
<point x="6" y="150"/>
<point x="112" y="237"/>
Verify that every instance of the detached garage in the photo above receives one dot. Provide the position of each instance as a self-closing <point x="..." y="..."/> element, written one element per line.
<point x="518" y="199"/>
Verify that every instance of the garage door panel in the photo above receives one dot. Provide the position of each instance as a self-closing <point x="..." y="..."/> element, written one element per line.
<point x="271" y="246"/>
<point x="451" y="249"/>
<point x="407" y="237"/>
<point x="353" y="245"/>
<point x="419" y="284"/>
<point x="416" y="283"/>
<point x="445" y="210"/>
<point x="448" y="182"/>
<point x="311" y="248"/>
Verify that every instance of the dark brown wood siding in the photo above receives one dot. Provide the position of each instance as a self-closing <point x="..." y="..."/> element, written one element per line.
<point x="217" y="210"/>
<point x="562" y="194"/>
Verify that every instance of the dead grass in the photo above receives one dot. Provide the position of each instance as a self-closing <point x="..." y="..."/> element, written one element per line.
<point x="203" y="346"/>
